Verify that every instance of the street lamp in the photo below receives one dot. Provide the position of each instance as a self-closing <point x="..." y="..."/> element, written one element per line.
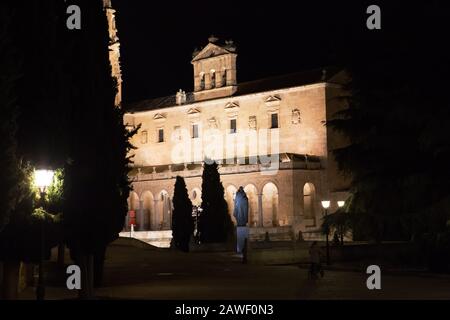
<point x="42" y="179"/>
<point x="326" y="205"/>
<point x="340" y="204"/>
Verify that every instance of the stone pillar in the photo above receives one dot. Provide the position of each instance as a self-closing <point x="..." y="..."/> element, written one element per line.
<point x="140" y="215"/>
<point x="155" y="222"/>
<point x="207" y="81"/>
<point x="164" y="212"/>
<point x="260" y="211"/>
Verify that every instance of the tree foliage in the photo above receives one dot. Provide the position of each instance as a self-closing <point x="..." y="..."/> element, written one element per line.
<point x="182" y="220"/>
<point x="9" y="76"/>
<point x="24" y="100"/>
<point x="96" y="185"/>
<point x="397" y="124"/>
<point x="215" y="223"/>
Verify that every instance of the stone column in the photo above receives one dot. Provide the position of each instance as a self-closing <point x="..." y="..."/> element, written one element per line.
<point x="164" y="212"/>
<point x="260" y="211"/>
<point x="207" y="81"/>
<point x="155" y="222"/>
<point x="140" y="215"/>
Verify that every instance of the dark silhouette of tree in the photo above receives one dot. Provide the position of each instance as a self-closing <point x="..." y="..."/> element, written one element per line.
<point x="96" y="185"/>
<point x="182" y="221"/>
<point x="9" y="76"/>
<point x="397" y="124"/>
<point x="215" y="223"/>
<point x="10" y="178"/>
<point x="20" y="223"/>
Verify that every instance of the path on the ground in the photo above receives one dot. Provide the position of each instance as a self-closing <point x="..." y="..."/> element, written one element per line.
<point x="136" y="273"/>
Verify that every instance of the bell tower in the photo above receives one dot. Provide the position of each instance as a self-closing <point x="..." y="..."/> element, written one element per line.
<point x="215" y="70"/>
<point x="114" y="49"/>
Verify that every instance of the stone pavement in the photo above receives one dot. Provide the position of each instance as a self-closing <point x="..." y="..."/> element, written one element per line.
<point x="139" y="273"/>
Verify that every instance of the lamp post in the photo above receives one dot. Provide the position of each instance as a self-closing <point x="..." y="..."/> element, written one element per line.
<point x="341" y="204"/>
<point x="42" y="179"/>
<point x="326" y="205"/>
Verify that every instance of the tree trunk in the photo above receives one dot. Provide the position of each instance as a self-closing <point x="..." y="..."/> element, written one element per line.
<point x="86" y="264"/>
<point x="99" y="263"/>
<point x="10" y="280"/>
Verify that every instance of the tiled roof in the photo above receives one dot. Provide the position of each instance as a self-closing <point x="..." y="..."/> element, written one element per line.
<point x="245" y="88"/>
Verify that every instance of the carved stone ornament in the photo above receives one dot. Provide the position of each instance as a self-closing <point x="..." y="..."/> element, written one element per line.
<point x="296" y="118"/>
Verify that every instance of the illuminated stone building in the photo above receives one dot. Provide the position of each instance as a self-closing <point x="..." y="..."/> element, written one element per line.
<point x="268" y="136"/>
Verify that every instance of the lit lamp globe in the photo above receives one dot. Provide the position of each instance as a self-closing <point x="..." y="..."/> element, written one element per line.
<point x="326" y="204"/>
<point x="43" y="179"/>
<point x="340" y="204"/>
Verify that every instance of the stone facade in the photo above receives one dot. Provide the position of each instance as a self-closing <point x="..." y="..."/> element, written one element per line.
<point x="268" y="136"/>
<point x="114" y="49"/>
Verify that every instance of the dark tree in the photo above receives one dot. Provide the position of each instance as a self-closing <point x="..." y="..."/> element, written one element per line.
<point x="23" y="91"/>
<point x="10" y="179"/>
<point x="397" y="125"/>
<point x="215" y="223"/>
<point x="9" y="76"/>
<point x="96" y="184"/>
<point x="182" y="221"/>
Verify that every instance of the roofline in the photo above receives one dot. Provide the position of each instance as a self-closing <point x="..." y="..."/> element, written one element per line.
<point x="304" y="87"/>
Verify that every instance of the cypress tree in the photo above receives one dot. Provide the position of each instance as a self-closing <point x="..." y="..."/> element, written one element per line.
<point x="215" y="223"/>
<point x="96" y="185"/>
<point x="182" y="221"/>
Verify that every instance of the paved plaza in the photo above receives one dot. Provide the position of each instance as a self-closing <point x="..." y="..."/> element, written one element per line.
<point x="139" y="273"/>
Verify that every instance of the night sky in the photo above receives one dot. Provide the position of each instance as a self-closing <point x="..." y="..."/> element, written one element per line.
<point x="272" y="37"/>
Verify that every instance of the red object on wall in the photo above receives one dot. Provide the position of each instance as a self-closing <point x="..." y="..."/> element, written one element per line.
<point x="132" y="218"/>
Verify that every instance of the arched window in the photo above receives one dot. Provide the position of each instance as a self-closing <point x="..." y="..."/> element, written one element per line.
<point x="224" y="77"/>
<point x="270" y="205"/>
<point x="309" y="198"/>
<point x="202" y="81"/>
<point x="213" y="79"/>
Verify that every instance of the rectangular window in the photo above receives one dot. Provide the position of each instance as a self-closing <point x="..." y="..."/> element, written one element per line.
<point x="160" y="135"/>
<point x="195" y="131"/>
<point x="177" y="132"/>
<point x="233" y="126"/>
<point x="274" y="120"/>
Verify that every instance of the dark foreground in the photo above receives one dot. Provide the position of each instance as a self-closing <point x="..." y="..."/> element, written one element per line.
<point x="137" y="273"/>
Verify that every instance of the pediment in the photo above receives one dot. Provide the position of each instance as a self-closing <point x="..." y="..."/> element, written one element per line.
<point x="211" y="50"/>
<point x="232" y="109"/>
<point x="273" y="102"/>
<point x="271" y="99"/>
<point x="159" y="117"/>
<point x="193" y="111"/>
<point x="232" y="106"/>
